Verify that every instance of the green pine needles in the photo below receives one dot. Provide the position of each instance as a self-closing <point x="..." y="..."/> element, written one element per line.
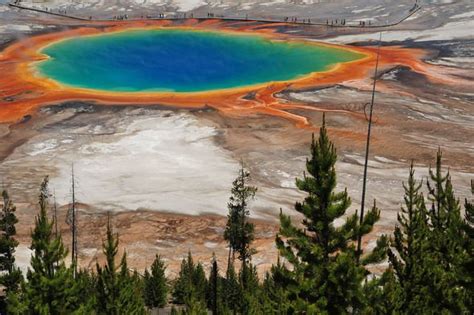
<point x="239" y="232"/>
<point x="156" y="287"/>
<point x="430" y="258"/>
<point x="118" y="291"/>
<point x="323" y="276"/>
<point x="11" y="276"/>
<point x="50" y="287"/>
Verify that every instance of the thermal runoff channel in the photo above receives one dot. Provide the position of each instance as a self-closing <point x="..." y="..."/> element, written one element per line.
<point x="179" y="60"/>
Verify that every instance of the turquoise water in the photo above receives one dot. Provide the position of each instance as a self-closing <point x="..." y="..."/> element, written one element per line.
<point x="181" y="61"/>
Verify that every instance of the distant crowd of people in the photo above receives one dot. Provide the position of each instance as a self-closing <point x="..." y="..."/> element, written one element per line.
<point x="340" y="22"/>
<point x="121" y="17"/>
<point x="336" y="22"/>
<point x="46" y="9"/>
<point x="295" y="20"/>
<point x="209" y="15"/>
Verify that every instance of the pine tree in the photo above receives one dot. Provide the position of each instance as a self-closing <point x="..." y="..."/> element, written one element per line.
<point x="383" y="294"/>
<point x="409" y="250"/>
<point x="86" y="282"/>
<point x="50" y="288"/>
<point x="324" y="276"/>
<point x="467" y="265"/>
<point x="200" y="282"/>
<point x="155" y="286"/>
<point x="107" y="278"/>
<point x="430" y="252"/>
<point x="276" y="295"/>
<point x="446" y="249"/>
<point x="17" y="304"/>
<point x="195" y="307"/>
<point x="214" y="288"/>
<point x="191" y="284"/>
<point x="239" y="232"/>
<point x="116" y="289"/>
<point x="130" y="298"/>
<point x="232" y="291"/>
<point x="251" y="291"/>
<point x="183" y="285"/>
<point x="11" y="276"/>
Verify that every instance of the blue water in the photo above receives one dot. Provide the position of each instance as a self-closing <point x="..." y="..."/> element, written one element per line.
<point x="182" y="61"/>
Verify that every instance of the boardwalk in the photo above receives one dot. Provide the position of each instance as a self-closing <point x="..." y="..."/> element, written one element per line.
<point x="305" y="22"/>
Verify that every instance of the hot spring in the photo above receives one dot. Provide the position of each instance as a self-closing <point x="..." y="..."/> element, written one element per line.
<point x="181" y="60"/>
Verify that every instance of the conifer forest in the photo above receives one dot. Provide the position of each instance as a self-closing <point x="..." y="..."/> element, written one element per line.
<point x="319" y="268"/>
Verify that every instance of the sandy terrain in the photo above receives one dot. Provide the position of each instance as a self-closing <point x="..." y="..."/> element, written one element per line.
<point x="166" y="173"/>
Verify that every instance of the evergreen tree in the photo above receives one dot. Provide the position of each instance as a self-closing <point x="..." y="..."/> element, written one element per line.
<point x="86" y="282"/>
<point x="107" y="278"/>
<point x="11" y="276"/>
<point x="429" y="261"/>
<point x="409" y="250"/>
<point x="200" y="282"/>
<point x="155" y="286"/>
<point x="383" y="294"/>
<point x="446" y="251"/>
<point x="130" y="298"/>
<point x="195" y="307"/>
<point x="276" y="296"/>
<point x="183" y="285"/>
<point x="50" y="288"/>
<point x="232" y="290"/>
<point x="117" y="291"/>
<point x="251" y="291"/>
<point x="239" y="232"/>
<point x="467" y="266"/>
<point x="324" y="276"/>
<point x="191" y="284"/>
<point x="17" y="304"/>
<point x="214" y="293"/>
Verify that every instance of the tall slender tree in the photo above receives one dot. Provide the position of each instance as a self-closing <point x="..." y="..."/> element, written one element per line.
<point x="107" y="278"/>
<point x="251" y="290"/>
<point x="50" y="288"/>
<point x="71" y="219"/>
<point x="200" y="282"/>
<point x="130" y="298"/>
<point x="467" y="266"/>
<point x="155" y="284"/>
<point x="117" y="291"/>
<point x="11" y="275"/>
<point x="324" y="276"/>
<point x="214" y="287"/>
<point x="239" y="232"/>
<point x="183" y="286"/>
<point x="232" y="290"/>
<point x="446" y="237"/>
<point x="409" y="249"/>
<point x="191" y="284"/>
